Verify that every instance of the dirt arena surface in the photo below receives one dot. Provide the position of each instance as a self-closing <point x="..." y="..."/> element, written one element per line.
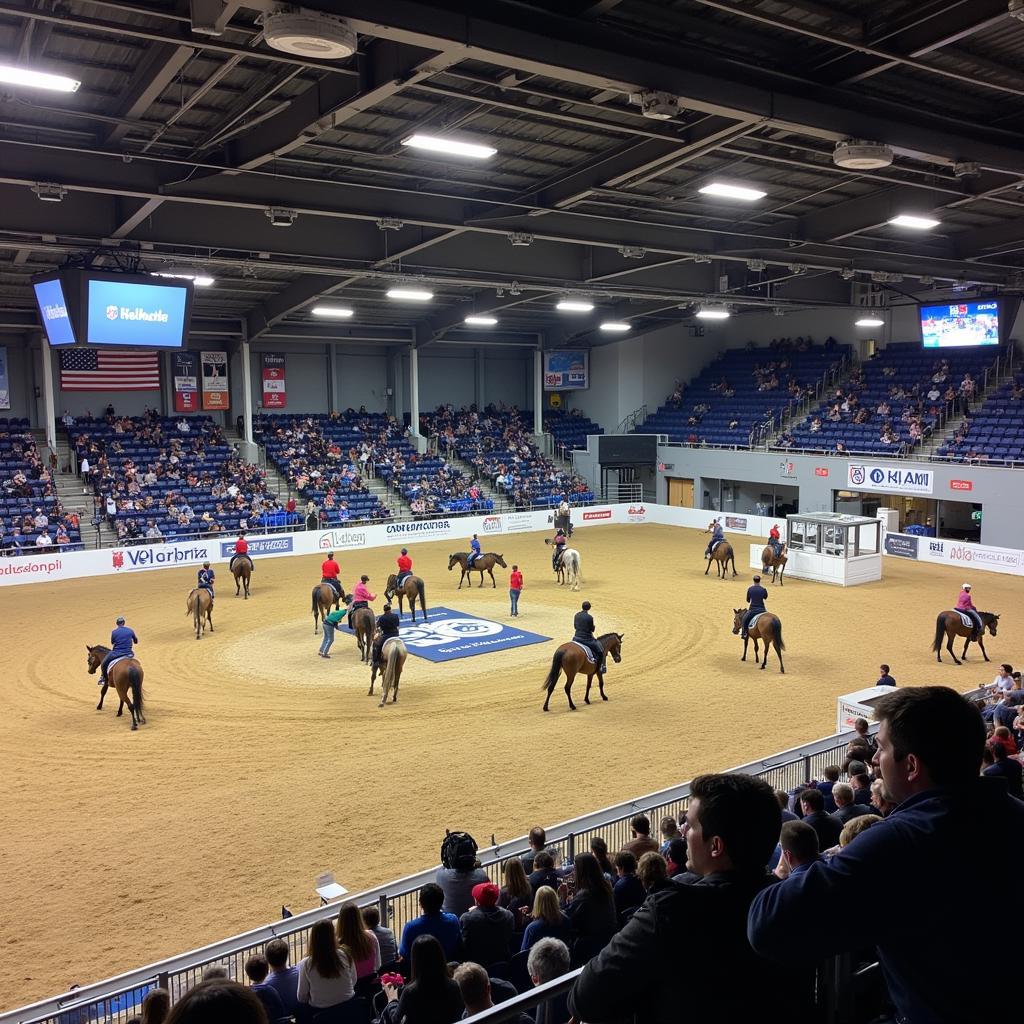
<point x="262" y="765"/>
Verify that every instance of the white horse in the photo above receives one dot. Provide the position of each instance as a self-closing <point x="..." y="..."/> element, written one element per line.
<point x="568" y="570"/>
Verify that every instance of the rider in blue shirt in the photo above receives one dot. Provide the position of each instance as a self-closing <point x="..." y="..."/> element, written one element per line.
<point x="206" y="577"/>
<point x="474" y="552"/>
<point x="756" y="597"/>
<point x="717" y="534"/>
<point x="121" y="639"/>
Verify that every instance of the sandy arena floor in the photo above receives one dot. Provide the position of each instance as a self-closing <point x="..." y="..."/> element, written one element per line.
<point x="263" y="765"/>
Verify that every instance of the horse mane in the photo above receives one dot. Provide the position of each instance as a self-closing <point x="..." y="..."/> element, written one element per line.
<point x="100" y="647"/>
<point x="606" y="636"/>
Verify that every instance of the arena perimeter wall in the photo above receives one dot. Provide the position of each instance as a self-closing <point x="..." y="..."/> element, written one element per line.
<point x="146" y="557"/>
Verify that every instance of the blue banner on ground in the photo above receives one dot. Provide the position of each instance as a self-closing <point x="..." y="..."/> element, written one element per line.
<point x="258" y="546"/>
<point x="449" y="634"/>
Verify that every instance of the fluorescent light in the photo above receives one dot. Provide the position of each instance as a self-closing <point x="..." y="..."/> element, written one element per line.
<point x="909" y="220"/>
<point x="412" y="294"/>
<point x="724" y="191"/>
<point x="575" y="305"/>
<point x="614" y="327"/>
<point x="481" y="321"/>
<point x="338" y="311"/>
<point x="453" y="147"/>
<point x="869" y="321"/>
<point x="713" y="313"/>
<point x="199" y="279"/>
<point x="10" y="75"/>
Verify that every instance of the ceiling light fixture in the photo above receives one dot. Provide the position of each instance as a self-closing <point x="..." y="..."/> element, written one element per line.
<point x="520" y="238"/>
<point x="701" y="259"/>
<point x="756" y="265"/>
<point x="197" y="277"/>
<point x="713" y="312"/>
<point x="341" y="312"/>
<point x="574" y="306"/>
<point x="869" y="321"/>
<point x="390" y="224"/>
<point x="48" y="192"/>
<point x="481" y="321"/>
<point x="723" y="190"/>
<point x="450" y="147"/>
<point x="279" y="217"/>
<point x="910" y="220"/>
<point x="614" y="327"/>
<point x="659" y="106"/>
<point x="632" y="252"/>
<point x="11" y="75"/>
<point x="848" y="273"/>
<point x="410" y="294"/>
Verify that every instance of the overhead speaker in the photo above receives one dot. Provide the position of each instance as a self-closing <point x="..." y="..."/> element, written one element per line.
<point x="858" y="155"/>
<point x="309" y="34"/>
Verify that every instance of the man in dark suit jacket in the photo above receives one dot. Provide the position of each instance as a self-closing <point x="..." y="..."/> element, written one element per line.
<point x="812" y="805"/>
<point x="846" y="807"/>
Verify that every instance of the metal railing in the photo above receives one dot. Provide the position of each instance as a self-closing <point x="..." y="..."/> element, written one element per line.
<point x="113" y="999"/>
<point x="631" y="421"/>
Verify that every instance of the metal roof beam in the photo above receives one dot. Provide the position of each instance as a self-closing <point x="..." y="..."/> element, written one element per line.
<point x="155" y="72"/>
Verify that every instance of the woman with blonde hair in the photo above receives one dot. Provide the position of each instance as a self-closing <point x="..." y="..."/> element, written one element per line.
<point x="548" y="920"/>
<point x="358" y="941"/>
<point x="516" y="892"/>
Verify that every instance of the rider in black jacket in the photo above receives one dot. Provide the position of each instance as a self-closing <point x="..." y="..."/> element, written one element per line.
<point x="583" y="626"/>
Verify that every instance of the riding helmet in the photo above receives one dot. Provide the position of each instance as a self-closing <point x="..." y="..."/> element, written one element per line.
<point x="120" y="620"/>
<point x="405" y="551"/>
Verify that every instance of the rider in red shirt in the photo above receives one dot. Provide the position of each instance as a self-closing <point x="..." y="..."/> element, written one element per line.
<point x="241" y="548"/>
<point x="775" y="540"/>
<point x="404" y="566"/>
<point x="330" y="570"/>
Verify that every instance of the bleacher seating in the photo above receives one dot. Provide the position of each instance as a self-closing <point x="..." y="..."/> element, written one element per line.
<point x="569" y="429"/>
<point x="26" y="492"/>
<point x="996" y="430"/>
<point x="900" y="375"/>
<point x="706" y="413"/>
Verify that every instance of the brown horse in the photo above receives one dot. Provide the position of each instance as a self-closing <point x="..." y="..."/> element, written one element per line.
<point x="126" y="675"/>
<point x="950" y="624"/>
<point x="775" y="562"/>
<point x="484" y="564"/>
<point x="411" y="588"/>
<point x="242" y="570"/>
<point x="200" y="607"/>
<point x="570" y="659"/>
<point x="766" y="627"/>
<point x="363" y="625"/>
<point x="721" y="556"/>
<point x="393" y="656"/>
<point x="323" y="598"/>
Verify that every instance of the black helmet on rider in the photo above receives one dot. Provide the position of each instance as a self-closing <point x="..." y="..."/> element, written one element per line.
<point x="404" y="551"/>
<point x="330" y="555"/>
<point x="120" y="620"/>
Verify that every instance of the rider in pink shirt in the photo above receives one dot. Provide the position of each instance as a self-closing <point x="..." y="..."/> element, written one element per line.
<point x="965" y="604"/>
<point x="361" y="597"/>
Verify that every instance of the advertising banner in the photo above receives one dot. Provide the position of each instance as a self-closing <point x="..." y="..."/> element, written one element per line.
<point x="274" y="393"/>
<point x="894" y="479"/>
<point x="215" y="380"/>
<point x="185" y="373"/>
<point x="901" y="545"/>
<point x="566" y="371"/>
<point x="5" y="381"/>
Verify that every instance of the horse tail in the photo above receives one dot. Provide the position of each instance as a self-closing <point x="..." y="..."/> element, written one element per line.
<point x="421" y="590"/>
<point x="940" y="632"/>
<point x="778" y="634"/>
<point x="316" y="601"/>
<point x="556" y="668"/>
<point x="135" y="681"/>
<point x="395" y="651"/>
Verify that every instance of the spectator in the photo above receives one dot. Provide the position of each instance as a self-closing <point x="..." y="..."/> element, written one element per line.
<point x="592" y="909"/>
<point x="627" y="890"/>
<point x="1002" y="737"/>
<point x="357" y="941"/>
<point x="487" y="929"/>
<point x="846" y="807"/>
<point x="881" y="799"/>
<point x="861" y="783"/>
<point x="812" y="805"/>
<point x="537" y="840"/>
<point x="548" y="919"/>
<point x="284" y="980"/>
<point x="652" y="872"/>
<point x="599" y="848"/>
<point x="669" y="830"/>
<point x="433" y="921"/>
<point x="884" y="678"/>
<point x="733" y="824"/>
<point x="676" y="859"/>
<point x="548" y="960"/>
<point x="783" y="798"/>
<point x="948" y="824"/>
<point x="831" y="774"/>
<point x="855" y="826"/>
<point x="219" y="1001"/>
<point x="44" y="540"/>
<point x="1003" y="681"/>
<point x="864" y="737"/>
<point x="385" y="936"/>
<point x="641" y="842"/>
<point x="457" y="884"/>
<point x="431" y="997"/>
<point x="516" y="893"/>
<point x="544" y="872"/>
<point x="256" y="970"/>
<point x="798" y="843"/>
<point x="156" y="1005"/>
<point x="215" y="972"/>
<point x="326" y="975"/>
<point x="1006" y="768"/>
<point x="475" y="989"/>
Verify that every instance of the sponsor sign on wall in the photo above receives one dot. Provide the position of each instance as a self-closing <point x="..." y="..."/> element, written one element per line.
<point x="159" y="555"/>
<point x="274" y="391"/>
<point x="518" y="522"/>
<point x="339" y="540"/>
<point x="421" y="528"/>
<point x="637" y="513"/>
<point x="215" y="380"/>
<point x="185" y="374"/>
<point x="735" y="523"/>
<point x="894" y="479"/>
<point x="901" y="544"/>
<point x="961" y="485"/>
<point x="592" y="514"/>
<point x="821" y="470"/>
<point x="491" y="524"/>
<point x="259" y="546"/>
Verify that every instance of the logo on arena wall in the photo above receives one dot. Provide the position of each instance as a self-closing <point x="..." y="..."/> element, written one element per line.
<point x="341" y="539"/>
<point x="857" y="475"/>
<point x="492" y="524"/>
<point x="735" y="522"/>
<point x="936" y="547"/>
<point x="428" y="528"/>
<point x="636" y="513"/>
<point x="964" y="554"/>
<point x="596" y="513"/>
<point x="517" y="522"/>
<point x="961" y="485"/>
<point x="147" y="558"/>
<point x="896" y="479"/>
<point x="821" y="470"/>
<point x="901" y="546"/>
<point x="271" y="545"/>
<point x="118" y="559"/>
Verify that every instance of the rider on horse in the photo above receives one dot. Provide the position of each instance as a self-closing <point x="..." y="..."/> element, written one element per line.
<point x="121" y="639"/>
<point x="563" y="514"/>
<point x="387" y="628"/>
<point x="966" y="605"/>
<point x="559" y="546"/>
<point x="404" y="567"/>
<point x="583" y="626"/>
<point x="361" y="598"/>
<point x="241" y="548"/>
<point x="756" y="596"/>
<point x="774" y="540"/>
<point x="717" y="534"/>
<point x="205" y="578"/>
<point x="474" y="552"/>
<point x="329" y="572"/>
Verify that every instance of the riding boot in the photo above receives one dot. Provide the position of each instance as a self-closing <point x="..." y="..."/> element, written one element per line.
<point x="102" y="681"/>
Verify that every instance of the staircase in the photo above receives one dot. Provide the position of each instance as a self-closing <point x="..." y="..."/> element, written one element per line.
<point x="71" y="491"/>
<point x="501" y="504"/>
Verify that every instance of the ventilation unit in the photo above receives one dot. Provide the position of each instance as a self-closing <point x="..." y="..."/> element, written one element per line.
<point x="309" y="33"/>
<point x="858" y="155"/>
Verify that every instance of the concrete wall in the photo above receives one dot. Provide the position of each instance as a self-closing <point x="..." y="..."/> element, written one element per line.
<point x="20" y="380"/>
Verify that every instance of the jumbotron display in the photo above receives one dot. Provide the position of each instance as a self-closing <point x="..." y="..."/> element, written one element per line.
<point x="960" y="325"/>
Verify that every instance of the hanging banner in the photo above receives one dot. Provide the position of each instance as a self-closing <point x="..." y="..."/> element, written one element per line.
<point x="185" y="373"/>
<point x="566" y="370"/>
<point x="274" y="393"/>
<point x="5" y="383"/>
<point x="215" y="380"/>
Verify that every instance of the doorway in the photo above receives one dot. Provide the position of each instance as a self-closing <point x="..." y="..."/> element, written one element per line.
<point x="680" y="492"/>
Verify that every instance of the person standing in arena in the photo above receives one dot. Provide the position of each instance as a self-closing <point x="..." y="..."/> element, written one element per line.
<point x="361" y="597"/>
<point x="404" y="566"/>
<point x="756" y="597"/>
<point x="388" y="626"/>
<point x="583" y="633"/>
<point x="329" y="572"/>
<point x="331" y="621"/>
<point x="121" y="639"/>
<point x="515" y="588"/>
<point x="205" y="578"/>
<point x="965" y="604"/>
<point x="241" y="548"/>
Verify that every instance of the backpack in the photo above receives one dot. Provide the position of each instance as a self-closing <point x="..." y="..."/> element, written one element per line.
<point x="458" y="851"/>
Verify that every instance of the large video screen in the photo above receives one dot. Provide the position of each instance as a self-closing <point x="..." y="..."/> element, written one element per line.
<point x="53" y="311"/>
<point x="129" y="312"/>
<point x="960" y="324"/>
<point x="566" y="370"/>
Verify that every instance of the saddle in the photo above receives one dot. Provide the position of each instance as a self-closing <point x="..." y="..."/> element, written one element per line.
<point x="120" y="657"/>
<point x="966" y="619"/>
<point x="586" y="650"/>
<point x="715" y="543"/>
<point x="753" y="621"/>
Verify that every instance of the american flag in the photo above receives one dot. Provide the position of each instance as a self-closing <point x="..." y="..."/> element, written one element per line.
<point x="90" y="369"/>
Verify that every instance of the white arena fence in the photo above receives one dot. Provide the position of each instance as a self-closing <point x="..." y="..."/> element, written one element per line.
<point x="116" y="999"/>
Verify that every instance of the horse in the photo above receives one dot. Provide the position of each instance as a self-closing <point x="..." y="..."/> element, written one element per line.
<point x="951" y="624"/>
<point x="568" y="570"/>
<point x="411" y="588"/>
<point x="775" y="562"/>
<point x="200" y="606"/>
<point x="721" y="556"/>
<point x="393" y="655"/>
<point x="242" y="570"/>
<point x="767" y="627"/>
<point x="363" y="625"/>
<point x="485" y="563"/>
<point x="323" y="597"/>
<point x="570" y="659"/>
<point x="126" y="675"/>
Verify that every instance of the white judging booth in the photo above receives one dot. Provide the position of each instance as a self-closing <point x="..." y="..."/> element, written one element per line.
<point x="831" y="547"/>
<point x="859" y="704"/>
